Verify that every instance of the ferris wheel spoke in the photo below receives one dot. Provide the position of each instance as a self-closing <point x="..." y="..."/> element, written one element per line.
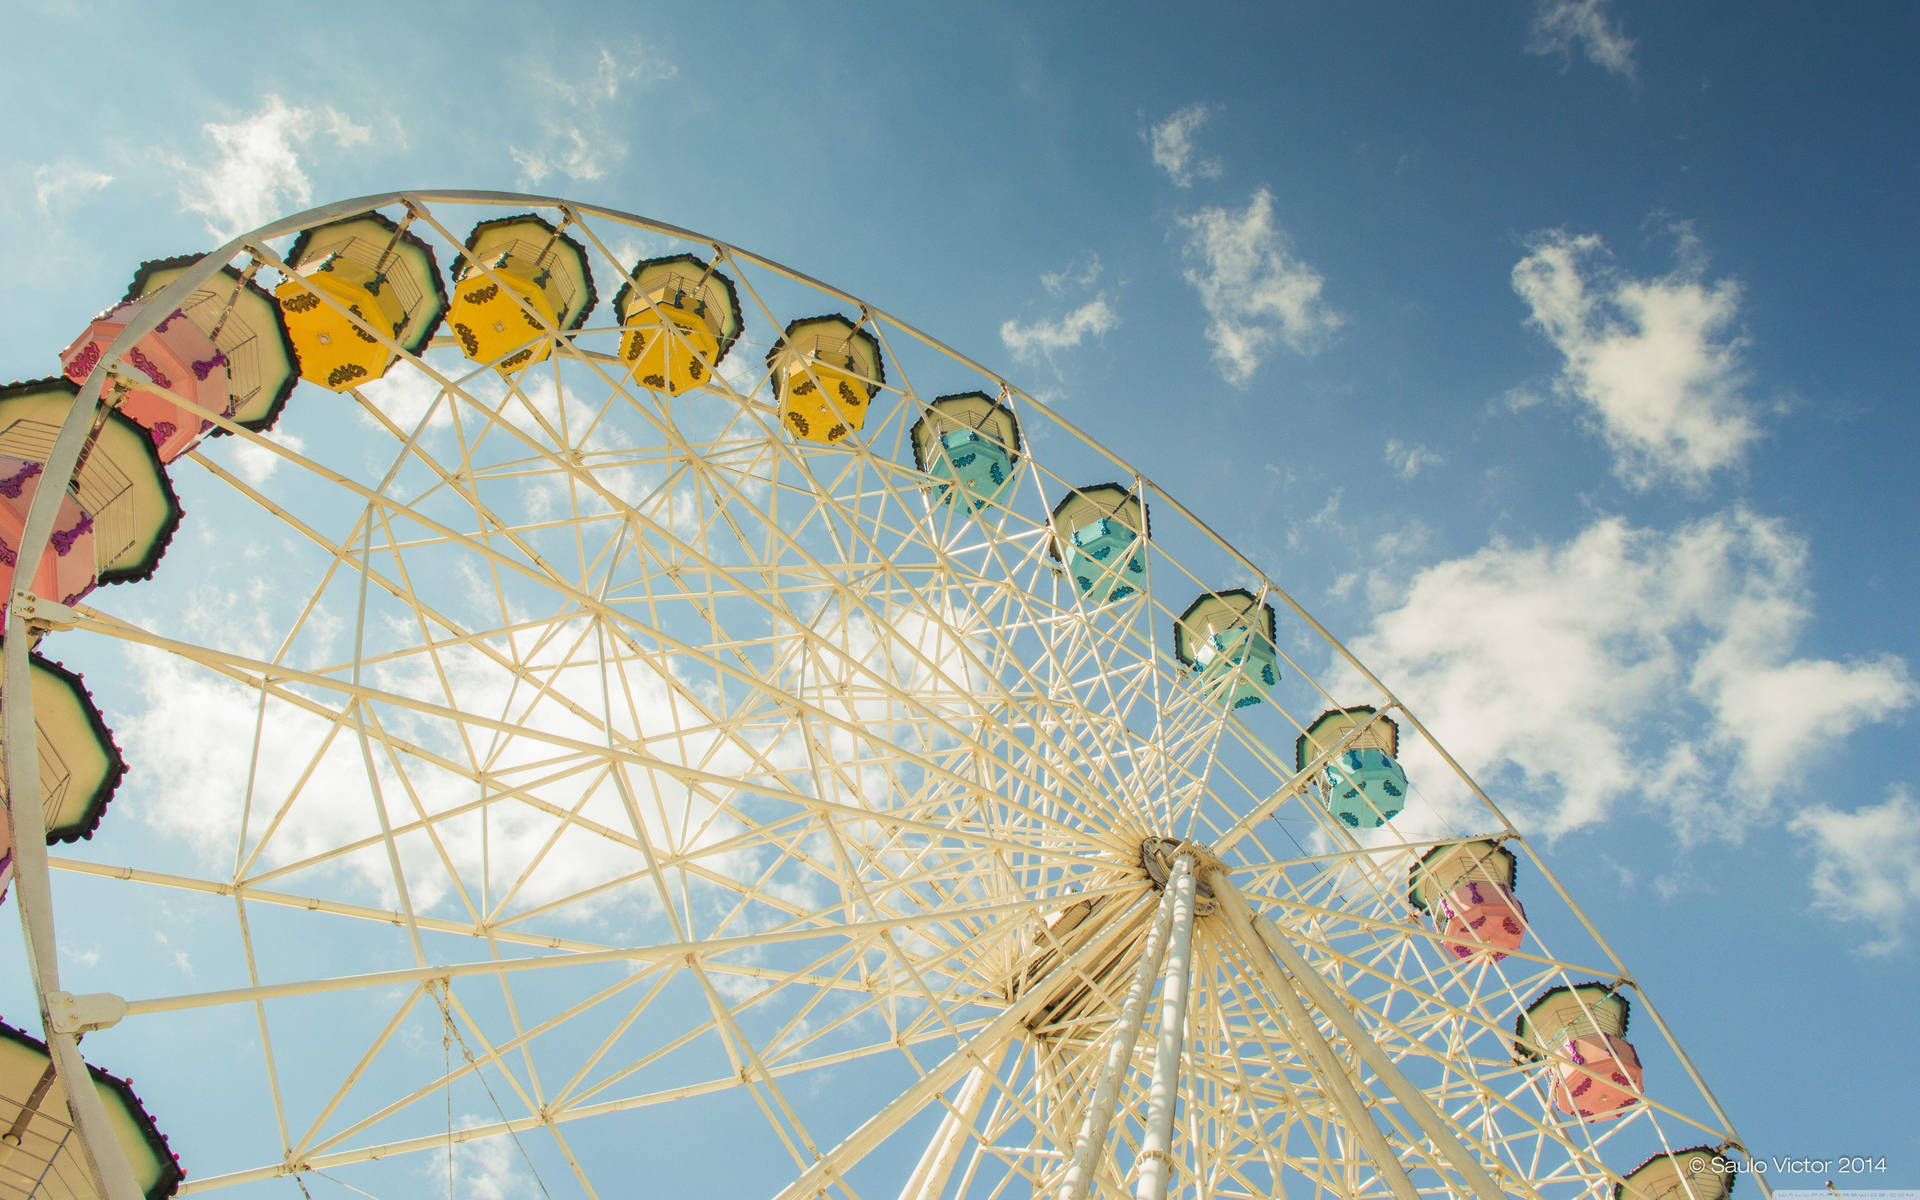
<point x="248" y="669"/>
<point x="758" y="1080"/>
<point x="860" y="671"/>
<point x="567" y="1105"/>
<point x="880" y="618"/>
<point x="268" y="1061"/>
<point x="1285" y="1088"/>
<point x="372" y="731"/>
<point x="494" y="1055"/>
<point x="310" y="1140"/>
<point x="943" y="1152"/>
<point x="1401" y="1041"/>
<point x="936" y="1080"/>
<point x="1333" y="1078"/>
<point x="1464" y="1163"/>
<point x="1246" y="1118"/>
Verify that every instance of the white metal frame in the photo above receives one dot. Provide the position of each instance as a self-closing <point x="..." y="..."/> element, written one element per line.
<point x="854" y="749"/>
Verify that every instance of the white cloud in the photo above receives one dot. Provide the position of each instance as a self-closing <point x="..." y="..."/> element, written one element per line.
<point x="1047" y="336"/>
<point x="1561" y="25"/>
<point x="1630" y="661"/>
<point x="1172" y="143"/>
<point x="567" y="152"/>
<point x="581" y="133"/>
<point x="255" y="174"/>
<point x="1654" y="361"/>
<point x="486" y="1168"/>
<point x="1080" y="275"/>
<point x="1867" y="865"/>
<point x="193" y="736"/>
<point x="1409" y="459"/>
<point x="405" y="397"/>
<point x="1255" y="292"/>
<point x="58" y="184"/>
<point x="255" y="463"/>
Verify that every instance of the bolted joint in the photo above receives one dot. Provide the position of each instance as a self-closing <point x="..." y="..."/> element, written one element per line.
<point x="68" y="1013"/>
<point x="43" y="615"/>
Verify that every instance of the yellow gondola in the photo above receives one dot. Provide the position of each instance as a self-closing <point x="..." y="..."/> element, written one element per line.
<point x="361" y="289"/>
<point x="678" y="319"/>
<point x="825" y="371"/>
<point x="519" y="278"/>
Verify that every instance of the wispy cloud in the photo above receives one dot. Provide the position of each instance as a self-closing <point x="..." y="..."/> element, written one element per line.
<point x="1558" y="670"/>
<point x="582" y="133"/>
<point x="255" y="463"/>
<point x="1866" y="866"/>
<point x="486" y="1168"/>
<point x="255" y="173"/>
<point x="1255" y="292"/>
<point x="1561" y="26"/>
<point x="58" y="184"/>
<point x="1171" y="141"/>
<point x="1047" y="336"/>
<point x="1080" y="275"/>
<point x="1410" y="458"/>
<point x="1655" y="362"/>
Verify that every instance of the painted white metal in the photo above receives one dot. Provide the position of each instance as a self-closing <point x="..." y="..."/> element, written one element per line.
<point x="1153" y="1168"/>
<point x="991" y="1040"/>
<point x="1048" y="749"/>
<point x="935" y="1168"/>
<point x="28" y="823"/>
<point x="1412" y="1099"/>
<point x="1328" y="1069"/>
<point x="1092" y="1137"/>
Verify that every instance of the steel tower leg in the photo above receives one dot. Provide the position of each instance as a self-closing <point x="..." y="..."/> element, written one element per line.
<point x="1099" y="1118"/>
<point x="929" y="1178"/>
<point x="1300" y="1029"/>
<point x="990" y="1039"/>
<point x="1261" y="931"/>
<point x="1154" y="1167"/>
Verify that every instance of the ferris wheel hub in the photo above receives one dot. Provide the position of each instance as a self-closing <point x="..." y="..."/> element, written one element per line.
<point x="1157" y="856"/>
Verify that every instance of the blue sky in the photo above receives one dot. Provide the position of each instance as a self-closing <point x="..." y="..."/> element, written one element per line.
<point x="1557" y="355"/>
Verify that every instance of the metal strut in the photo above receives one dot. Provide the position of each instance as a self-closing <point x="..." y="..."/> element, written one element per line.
<point x="818" y="1177"/>
<point x="1154" y="1166"/>
<point x="930" y="1176"/>
<point x="1261" y="932"/>
<point x="106" y="1162"/>
<point x="1099" y="1116"/>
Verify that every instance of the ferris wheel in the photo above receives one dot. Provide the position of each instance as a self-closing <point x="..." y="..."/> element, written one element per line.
<point x="617" y="715"/>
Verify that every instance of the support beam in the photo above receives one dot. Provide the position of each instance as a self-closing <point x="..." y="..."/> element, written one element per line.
<point x="33" y="888"/>
<point x="1327" y="1067"/>
<point x="1154" y="1168"/>
<point x="816" y="1179"/>
<point x="929" y="1178"/>
<point x="1412" y="1099"/>
<point x="1099" y="1115"/>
